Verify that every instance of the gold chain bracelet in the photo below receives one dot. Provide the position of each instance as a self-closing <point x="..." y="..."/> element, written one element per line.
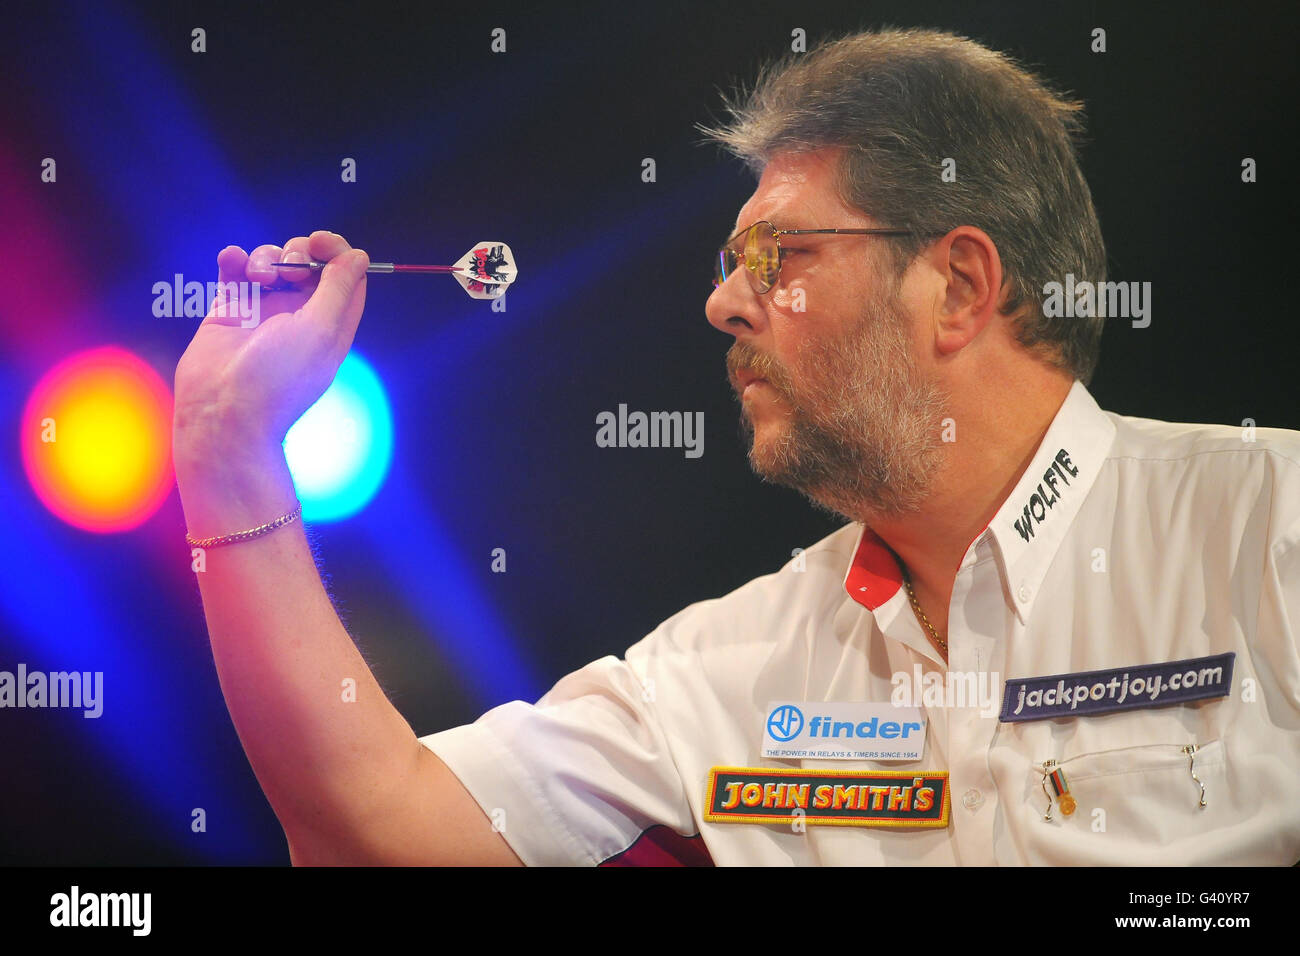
<point x="244" y="535"/>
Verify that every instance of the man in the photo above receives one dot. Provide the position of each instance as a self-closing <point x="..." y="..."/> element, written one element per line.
<point x="1048" y="635"/>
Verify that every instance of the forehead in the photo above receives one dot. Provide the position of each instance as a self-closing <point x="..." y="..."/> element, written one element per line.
<point x="797" y="190"/>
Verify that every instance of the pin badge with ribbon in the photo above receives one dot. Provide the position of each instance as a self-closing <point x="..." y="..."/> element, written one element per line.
<point x="1054" y="776"/>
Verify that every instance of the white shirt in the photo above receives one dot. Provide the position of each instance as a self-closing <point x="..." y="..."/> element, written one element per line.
<point x="1171" y="542"/>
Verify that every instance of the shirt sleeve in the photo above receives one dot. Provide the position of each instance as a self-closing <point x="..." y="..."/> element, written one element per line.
<point x="577" y="777"/>
<point x="1279" y="619"/>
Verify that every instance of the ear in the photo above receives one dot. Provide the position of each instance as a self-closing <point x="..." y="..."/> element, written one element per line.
<point x="970" y="271"/>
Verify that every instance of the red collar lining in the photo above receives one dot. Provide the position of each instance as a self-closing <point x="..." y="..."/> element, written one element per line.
<point x="874" y="576"/>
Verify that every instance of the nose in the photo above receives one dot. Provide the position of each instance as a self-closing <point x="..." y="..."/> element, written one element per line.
<point x="735" y="308"/>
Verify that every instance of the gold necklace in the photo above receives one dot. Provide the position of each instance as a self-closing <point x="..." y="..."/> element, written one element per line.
<point x="916" y="606"/>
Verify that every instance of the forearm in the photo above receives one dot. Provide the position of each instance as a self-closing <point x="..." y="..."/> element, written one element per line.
<point x="328" y="766"/>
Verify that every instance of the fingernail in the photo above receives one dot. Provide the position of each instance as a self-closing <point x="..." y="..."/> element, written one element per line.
<point x="360" y="263"/>
<point x="294" y="256"/>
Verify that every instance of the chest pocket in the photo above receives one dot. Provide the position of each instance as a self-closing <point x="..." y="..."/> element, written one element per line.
<point x="1140" y="782"/>
<point x="1136" y="784"/>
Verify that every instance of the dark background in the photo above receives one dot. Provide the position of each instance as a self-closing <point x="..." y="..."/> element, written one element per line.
<point x="165" y="156"/>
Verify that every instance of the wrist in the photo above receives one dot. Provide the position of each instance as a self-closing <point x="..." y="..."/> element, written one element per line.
<point x="229" y="481"/>
<point x="203" y="429"/>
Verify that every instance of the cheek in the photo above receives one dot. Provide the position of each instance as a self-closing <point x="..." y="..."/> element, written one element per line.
<point x="791" y="300"/>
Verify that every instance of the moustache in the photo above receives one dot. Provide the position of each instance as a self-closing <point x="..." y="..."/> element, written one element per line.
<point x="744" y="357"/>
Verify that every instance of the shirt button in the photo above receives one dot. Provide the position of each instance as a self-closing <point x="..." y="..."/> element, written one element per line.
<point x="972" y="799"/>
<point x="1024" y="593"/>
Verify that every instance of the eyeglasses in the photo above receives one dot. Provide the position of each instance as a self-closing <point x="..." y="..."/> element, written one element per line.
<point x="763" y="255"/>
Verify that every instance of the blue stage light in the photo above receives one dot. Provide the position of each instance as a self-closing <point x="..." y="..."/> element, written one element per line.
<point x="340" y="449"/>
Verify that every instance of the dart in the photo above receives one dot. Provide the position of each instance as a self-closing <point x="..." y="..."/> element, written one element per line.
<point x="483" y="272"/>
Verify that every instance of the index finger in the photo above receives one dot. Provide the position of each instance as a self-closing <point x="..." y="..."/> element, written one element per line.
<point x="324" y="246"/>
<point x="295" y="250"/>
<point x="341" y="277"/>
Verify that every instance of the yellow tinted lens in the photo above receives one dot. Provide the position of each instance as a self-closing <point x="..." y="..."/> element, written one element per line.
<point x="762" y="255"/>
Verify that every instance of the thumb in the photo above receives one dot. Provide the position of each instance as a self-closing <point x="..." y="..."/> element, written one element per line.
<point x="327" y="309"/>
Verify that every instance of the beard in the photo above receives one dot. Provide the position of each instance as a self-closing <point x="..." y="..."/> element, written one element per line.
<point x="863" y="438"/>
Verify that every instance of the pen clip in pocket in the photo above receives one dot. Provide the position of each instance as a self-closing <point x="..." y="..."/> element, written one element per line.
<point x="1190" y="750"/>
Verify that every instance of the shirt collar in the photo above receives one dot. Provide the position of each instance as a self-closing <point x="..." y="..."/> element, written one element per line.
<point x="1031" y="523"/>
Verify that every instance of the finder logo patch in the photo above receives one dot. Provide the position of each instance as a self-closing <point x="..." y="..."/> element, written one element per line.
<point x="843" y="730"/>
<point x="838" y="798"/>
<point x="1087" y="693"/>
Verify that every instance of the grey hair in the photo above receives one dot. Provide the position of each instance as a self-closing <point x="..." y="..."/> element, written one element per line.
<point x="900" y="102"/>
